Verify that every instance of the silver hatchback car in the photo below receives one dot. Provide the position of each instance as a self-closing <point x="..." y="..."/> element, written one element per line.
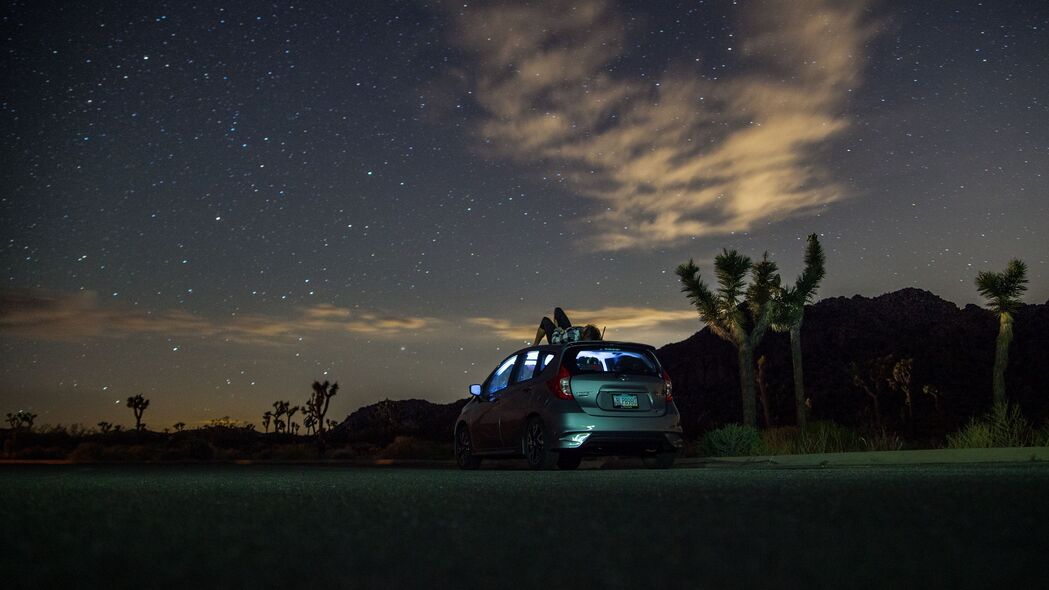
<point x="553" y="404"/>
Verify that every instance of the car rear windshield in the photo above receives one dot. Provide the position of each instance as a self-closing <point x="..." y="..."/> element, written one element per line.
<point x="611" y="359"/>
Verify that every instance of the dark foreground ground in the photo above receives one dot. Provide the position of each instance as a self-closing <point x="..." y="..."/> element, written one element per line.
<point x="330" y="527"/>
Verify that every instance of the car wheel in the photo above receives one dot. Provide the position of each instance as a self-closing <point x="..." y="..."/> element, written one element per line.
<point x="664" y="460"/>
<point x="569" y="460"/>
<point x="536" y="446"/>
<point x="464" y="456"/>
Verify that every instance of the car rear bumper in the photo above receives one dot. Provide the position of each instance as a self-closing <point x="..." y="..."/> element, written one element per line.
<point x="616" y="435"/>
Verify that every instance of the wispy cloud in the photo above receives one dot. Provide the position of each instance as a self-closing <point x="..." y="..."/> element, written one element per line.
<point x="644" y="324"/>
<point x="80" y="316"/>
<point x="680" y="155"/>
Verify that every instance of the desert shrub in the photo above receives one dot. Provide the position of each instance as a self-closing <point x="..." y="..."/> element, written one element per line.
<point x="827" y="437"/>
<point x="343" y="453"/>
<point x="294" y="453"/>
<point x="881" y="439"/>
<point x="87" y="452"/>
<point x="407" y="447"/>
<point x="1004" y="426"/>
<point x="188" y="449"/>
<point x="780" y="440"/>
<point x="1041" y="437"/>
<point x="732" y="440"/>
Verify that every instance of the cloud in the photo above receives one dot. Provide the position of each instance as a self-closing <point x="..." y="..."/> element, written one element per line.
<point x="76" y="317"/>
<point x="681" y="155"/>
<point x="645" y="324"/>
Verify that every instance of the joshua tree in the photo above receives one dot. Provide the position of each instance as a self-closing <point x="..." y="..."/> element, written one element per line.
<point x="138" y="405"/>
<point x="874" y="375"/>
<point x="291" y="427"/>
<point x="763" y="392"/>
<point x="738" y="315"/>
<point x="279" y="409"/>
<point x="266" y="417"/>
<point x="104" y="426"/>
<point x="317" y="405"/>
<point x="21" y="419"/>
<point x="901" y="382"/>
<point x="790" y="311"/>
<point x="180" y="426"/>
<point x="1003" y="291"/>
<point x="309" y="422"/>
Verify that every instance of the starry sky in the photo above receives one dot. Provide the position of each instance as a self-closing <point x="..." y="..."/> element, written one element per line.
<point x="214" y="204"/>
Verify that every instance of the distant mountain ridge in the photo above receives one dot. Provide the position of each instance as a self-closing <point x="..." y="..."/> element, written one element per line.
<point x="951" y="351"/>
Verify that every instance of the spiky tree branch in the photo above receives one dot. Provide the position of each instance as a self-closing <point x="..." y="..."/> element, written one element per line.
<point x="735" y="312"/>
<point x="789" y="312"/>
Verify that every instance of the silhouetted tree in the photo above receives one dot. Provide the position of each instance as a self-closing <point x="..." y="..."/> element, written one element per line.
<point x="266" y="417"/>
<point x="901" y="381"/>
<point x="279" y="409"/>
<point x="292" y="426"/>
<point x="180" y="426"/>
<point x="789" y="311"/>
<point x="309" y="422"/>
<point x="104" y="426"/>
<point x="138" y="405"/>
<point x="317" y="405"/>
<point x="736" y="312"/>
<point x="872" y="377"/>
<point x="1003" y="291"/>
<point x="763" y="393"/>
<point x="21" y="419"/>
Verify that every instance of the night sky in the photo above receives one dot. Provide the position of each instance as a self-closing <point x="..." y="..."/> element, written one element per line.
<point x="214" y="205"/>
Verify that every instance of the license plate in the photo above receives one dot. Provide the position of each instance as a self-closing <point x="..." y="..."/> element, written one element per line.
<point x="626" y="401"/>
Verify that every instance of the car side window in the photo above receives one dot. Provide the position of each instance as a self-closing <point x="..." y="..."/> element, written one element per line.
<point x="501" y="376"/>
<point x="547" y="359"/>
<point x="528" y="366"/>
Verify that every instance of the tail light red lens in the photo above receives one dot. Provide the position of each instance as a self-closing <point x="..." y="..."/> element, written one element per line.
<point x="562" y="384"/>
<point x="668" y="387"/>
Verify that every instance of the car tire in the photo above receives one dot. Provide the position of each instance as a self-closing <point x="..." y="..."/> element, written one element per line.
<point x="536" y="445"/>
<point x="663" y="460"/>
<point x="569" y="460"/>
<point x="464" y="456"/>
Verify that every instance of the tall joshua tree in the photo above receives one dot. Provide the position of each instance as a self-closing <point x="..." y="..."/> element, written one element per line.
<point x="138" y="405"/>
<point x="790" y="311"/>
<point x="279" y="409"/>
<point x="1002" y="291"/>
<point x="290" y="412"/>
<point x="738" y="313"/>
<point x="317" y="405"/>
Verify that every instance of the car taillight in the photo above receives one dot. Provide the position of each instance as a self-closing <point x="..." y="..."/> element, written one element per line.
<point x="668" y="387"/>
<point x="562" y="384"/>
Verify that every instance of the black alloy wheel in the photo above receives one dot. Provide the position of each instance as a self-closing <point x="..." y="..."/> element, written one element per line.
<point x="464" y="456"/>
<point x="536" y="448"/>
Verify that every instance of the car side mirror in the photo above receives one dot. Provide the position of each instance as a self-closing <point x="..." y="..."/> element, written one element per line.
<point x="475" y="390"/>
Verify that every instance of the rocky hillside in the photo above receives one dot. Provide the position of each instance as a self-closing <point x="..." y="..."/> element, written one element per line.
<point x="856" y="350"/>
<point x="949" y="353"/>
